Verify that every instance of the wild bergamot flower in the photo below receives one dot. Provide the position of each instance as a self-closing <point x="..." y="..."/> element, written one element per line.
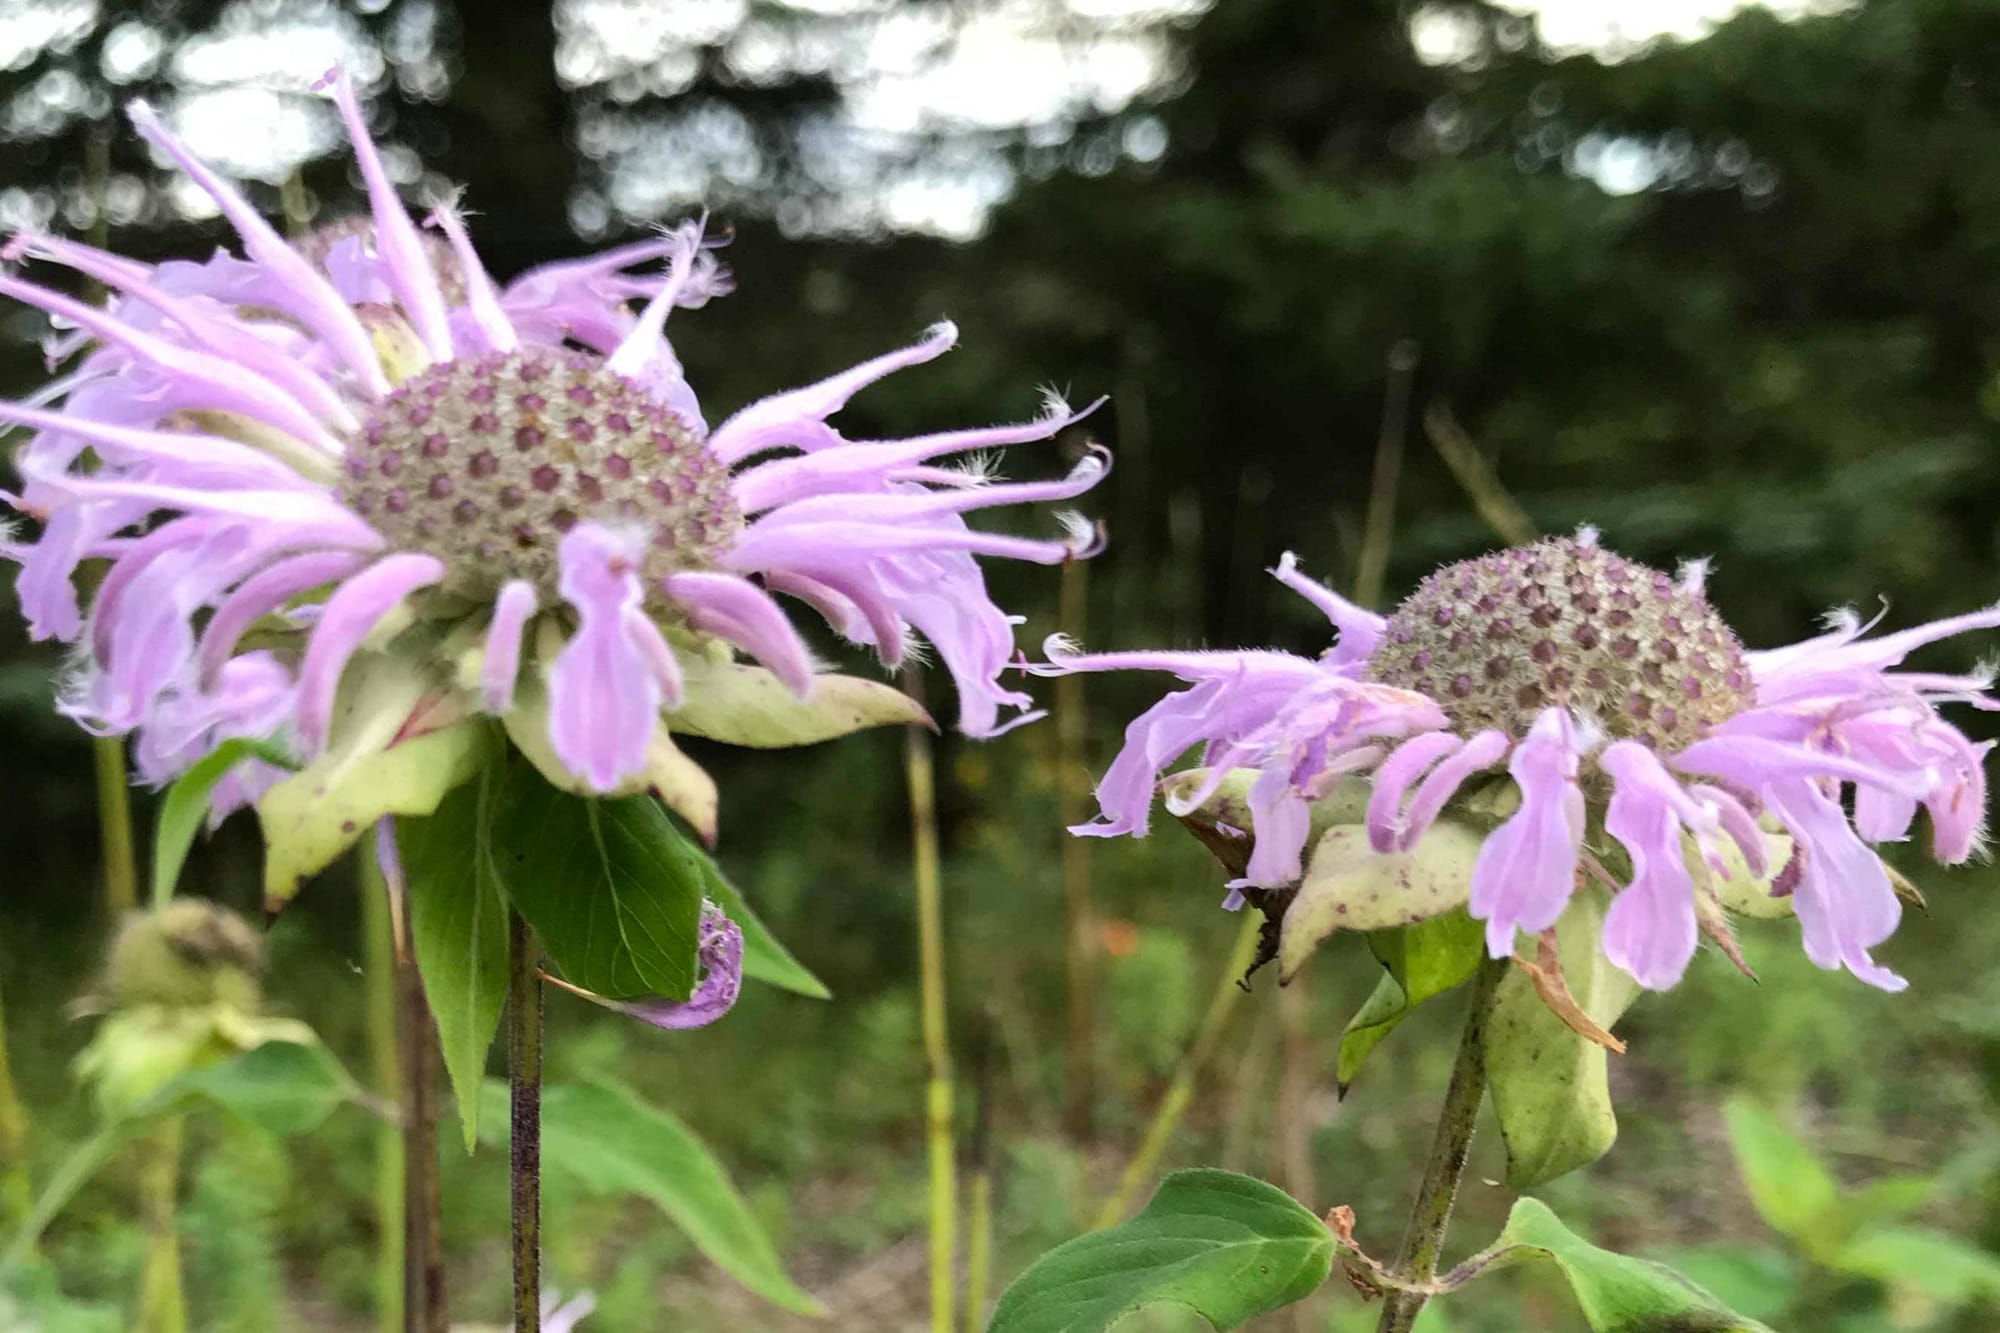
<point x="358" y="441"/>
<point x="1611" y="692"/>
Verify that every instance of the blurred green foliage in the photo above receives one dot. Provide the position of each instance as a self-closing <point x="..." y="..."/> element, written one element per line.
<point x="1779" y="350"/>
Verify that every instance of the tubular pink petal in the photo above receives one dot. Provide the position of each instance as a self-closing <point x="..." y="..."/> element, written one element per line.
<point x="351" y="614"/>
<point x="236" y="389"/>
<point x="1747" y="761"/>
<point x="604" y="689"/>
<point x="1526" y="870"/>
<point x="1845" y="903"/>
<point x="1283" y="821"/>
<point x="229" y="340"/>
<point x="1405" y="765"/>
<point x="396" y="237"/>
<point x="864" y="465"/>
<point x="481" y="295"/>
<point x="1739" y="824"/>
<point x="1482" y="751"/>
<point x="211" y="457"/>
<point x="1650" y="929"/>
<point x="744" y="614"/>
<point x="635" y="354"/>
<point x="512" y="610"/>
<point x="318" y="304"/>
<point x="798" y="417"/>
<point x="1358" y="629"/>
<point x="263" y="593"/>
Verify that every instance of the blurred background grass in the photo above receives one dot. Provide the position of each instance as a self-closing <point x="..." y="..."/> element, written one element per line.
<point x="1729" y="290"/>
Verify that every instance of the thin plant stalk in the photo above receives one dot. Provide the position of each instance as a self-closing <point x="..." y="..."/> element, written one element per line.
<point x="1423" y="1241"/>
<point x="1477" y="479"/>
<point x="114" y="821"/>
<point x="1180" y="1092"/>
<point x="920" y="768"/>
<point x="16" y="1188"/>
<point x="425" y="1304"/>
<point x="114" y="801"/>
<point x="1079" y="919"/>
<point x="979" y="1202"/>
<point x="524" y="1142"/>
<point x="378" y="970"/>
<point x="162" y="1302"/>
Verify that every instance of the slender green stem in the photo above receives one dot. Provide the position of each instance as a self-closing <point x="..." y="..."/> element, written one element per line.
<point x="114" y="818"/>
<point x="16" y="1189"/>
<point x="979" y="1248"/>
<point x="162" y="1303"/>
<point x="921" y="770"/>
<point x="83" y="1162"/>
<point x="1424" y="1239"/>
<point x="524" y="1145"/>
<point x="378" y="971"/>
<point x="425" y="1304"/>
<point x="1173" y="1105"/>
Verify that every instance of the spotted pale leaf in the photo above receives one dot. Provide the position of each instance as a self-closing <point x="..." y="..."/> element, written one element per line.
<point x="1348" y="885"/>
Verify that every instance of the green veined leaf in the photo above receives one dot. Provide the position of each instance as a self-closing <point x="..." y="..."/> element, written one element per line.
<point x="1551" y="1087"/>
<point x="1942" y="1267"/>
<point x="613" y="1145"/>
<point x="611" y="887"/>
<point x="1226" y="1246"/>
<point x="184" y="808"/>
<point x="310" y="818"/>
<point x="1421" y="961"/>
<point x="458" y="923"/>
<point x="739" y="704"/>
<point x="1793" y="1190"/>
<point x="763" y="956"/>
<point x="1619" y="1294"/>
<point x="284" y="1086"/>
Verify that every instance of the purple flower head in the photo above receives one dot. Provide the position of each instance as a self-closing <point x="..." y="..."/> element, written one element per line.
<point x="1596" y="685"/>
<point x="358" y="443"/>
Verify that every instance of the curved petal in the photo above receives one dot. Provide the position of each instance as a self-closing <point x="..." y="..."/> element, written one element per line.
<point x="1527" y="869"/>
<point x="351" y="614"/>
<point x="606" y="686"/>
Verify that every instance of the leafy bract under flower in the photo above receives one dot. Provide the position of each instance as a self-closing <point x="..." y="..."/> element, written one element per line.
<point x="359" y="444"/>
<point x="1608" y="693"/>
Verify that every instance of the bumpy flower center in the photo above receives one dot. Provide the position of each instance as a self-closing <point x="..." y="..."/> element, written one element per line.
<point x="487" y="462"/>
<point x="1497" y="639"/>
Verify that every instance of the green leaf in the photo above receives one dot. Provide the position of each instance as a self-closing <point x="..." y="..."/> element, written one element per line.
<point x="184" y="808"/>
<point x="1550" y="1086"/>
<point x="763" y="956"/>
<point x="1752" y="1280"/>
<point x="677" y="780"/>
<point x="31" y="1299"/>
<point x="1348" y="885"/>
<point x="309" y="819"/>
<point x="1422" y="961"/>
<point x="458" y="923"/>
<point x="1619" y="1294"/>
<point x="613" y="1145"/>
<point x="282" y="1086"/>
<point x="1942" y="1267"/>
<point x="1793" y="1190"/>
<point x="611" y="887"/>
<point x="1889" y="1199"/>
<point x="1226" y="1246"/>
<point x="747" y="705"/>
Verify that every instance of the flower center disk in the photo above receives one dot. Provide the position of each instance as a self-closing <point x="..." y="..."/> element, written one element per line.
<point x="486" y="462"/>
<point x="1563" y="623"/>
